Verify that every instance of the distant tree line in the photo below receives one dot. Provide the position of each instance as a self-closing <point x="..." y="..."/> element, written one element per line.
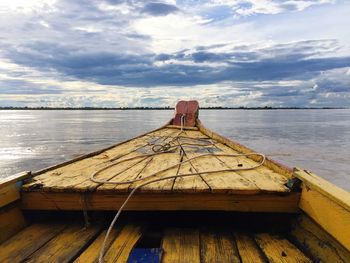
<point x="165" y="108"/>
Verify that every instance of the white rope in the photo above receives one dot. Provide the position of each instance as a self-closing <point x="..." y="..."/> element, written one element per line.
<point x="164" y="148"/>
<point x="102" y="251"/>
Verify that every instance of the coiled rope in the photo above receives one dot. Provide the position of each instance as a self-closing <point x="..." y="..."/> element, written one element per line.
<point x="157" y="149"/>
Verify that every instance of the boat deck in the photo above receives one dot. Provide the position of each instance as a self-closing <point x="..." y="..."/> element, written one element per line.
<point x="137" y="159"/>
<point x="61" y="241"/>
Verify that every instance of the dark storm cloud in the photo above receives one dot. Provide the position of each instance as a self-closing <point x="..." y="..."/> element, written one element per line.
<point x="296" y="61"/>
<point x="159" y="9"/>
<point x="22" y="87"/>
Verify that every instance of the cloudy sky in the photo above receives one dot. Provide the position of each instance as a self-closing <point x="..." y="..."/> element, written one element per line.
<point x="117" y="53"/>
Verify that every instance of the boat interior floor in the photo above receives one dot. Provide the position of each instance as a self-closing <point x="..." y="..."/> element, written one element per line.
<point x="162" y="153"/>
<point x="155" y="237"/>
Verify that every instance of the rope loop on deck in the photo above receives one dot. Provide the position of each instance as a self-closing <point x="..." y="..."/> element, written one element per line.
<point x="167" y="147"/>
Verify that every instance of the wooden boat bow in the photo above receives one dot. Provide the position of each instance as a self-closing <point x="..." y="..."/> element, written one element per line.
<point x="235" y="212"/>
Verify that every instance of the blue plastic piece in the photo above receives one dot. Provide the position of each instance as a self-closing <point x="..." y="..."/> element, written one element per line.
<point x="145" y="255"/>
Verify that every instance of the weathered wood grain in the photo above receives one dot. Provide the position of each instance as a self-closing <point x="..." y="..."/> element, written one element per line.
<point x="66" y="246"/>
<point x="181" y="245"/>
<point x="11" y="222"/>
<point x="121" y="247"/>
<point x="322" y="246"/>
<point x="91" y="253"/>
<point x="162" y="202"/>
<point x="248" y="250"/>
<point x="218" y="246"/>
<point x="275" y="166"/>
<point x="280" y="250"/>
<point x="26" y="242"/>
<point x="9" y="194"/>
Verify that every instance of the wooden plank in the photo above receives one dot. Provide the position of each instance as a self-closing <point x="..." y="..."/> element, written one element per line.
<point x="279" y="250"/>
<point x="190" y="184"/>
<point x="333" y="217"/>
<point x="142" y="169"/>
<point x="248" y="250"/>
<point x="218" y="246"/>
<point x="129" y="172"/>
<point x="322" y="246"/>
<point x="181" y="245"/>
<point x="329" y="190"/>
<point x="91" y="254"/>
<point x="264" y="178"/>
<point x="158" y="163"/>
<point x="11" y="222"/>
<point x="221" y="182"/>
<point x="121" y="247"/>
<point x="74" y="173"/>
<point x="80" y="171"/>
<point x="26" y="242"/>
<point x="9" y="194"/>
<point x="114" y="173"/>
<point x="66" y="245"/>
<point x="272" y="164"/>
<point x="13" y="178"/>
<point x="162" y="202"/>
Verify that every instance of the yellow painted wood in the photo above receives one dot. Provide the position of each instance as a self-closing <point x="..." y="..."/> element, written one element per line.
<point x="248" y="250"/>
<point x="280" y="250"/>
<point x="181" y="245"/>
<point x="221" y="182"/>
<point x="8" y="194"/>
<point x="13" y="179"/>
<point x="189" y="184"/>
<point x="118" y="172"/>
<point x="275" y="166"/>
<point x="66" y="245"/>
<point x="11" y="222"/>
<point x="163" y="202"/>
<point x="79" y="172"/>
<point x="26" y="242"/>
<point x="122" y="172"/>
<point x="327" y="213"/>
<point x="141" y="168"/>
<point x="264" y="178"/>
<point x="158" y="163"/>
<point x="91" y="254"/>
<point x="74" y="173"/>
<point x="74" y="177"/>
<point x="329" y="190"/>
<point x="218" y="246"/>
<point x="322" y="246"/>
<point x="120" y="249"/>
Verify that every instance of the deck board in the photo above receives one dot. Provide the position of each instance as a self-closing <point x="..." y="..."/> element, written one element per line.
<point x="91" y="253"/>
<point x="248" y="250"/>
<point x="279" y="250"/>
<point x="196" y="242"/>
<point x="75" y="177"/>
<point x="27" y="241"/>
<point x="121" y="247"/>
<point x="192" y="183"/>
<point x="218" y="246"/>
<point x="181" y="245"/>
<point x="66" y="245"/>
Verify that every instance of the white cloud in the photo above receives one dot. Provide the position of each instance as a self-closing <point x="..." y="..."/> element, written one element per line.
<point x="26" y="6"/>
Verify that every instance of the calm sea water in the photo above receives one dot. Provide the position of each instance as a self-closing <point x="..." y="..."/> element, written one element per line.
<point x="318" y="140"/>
